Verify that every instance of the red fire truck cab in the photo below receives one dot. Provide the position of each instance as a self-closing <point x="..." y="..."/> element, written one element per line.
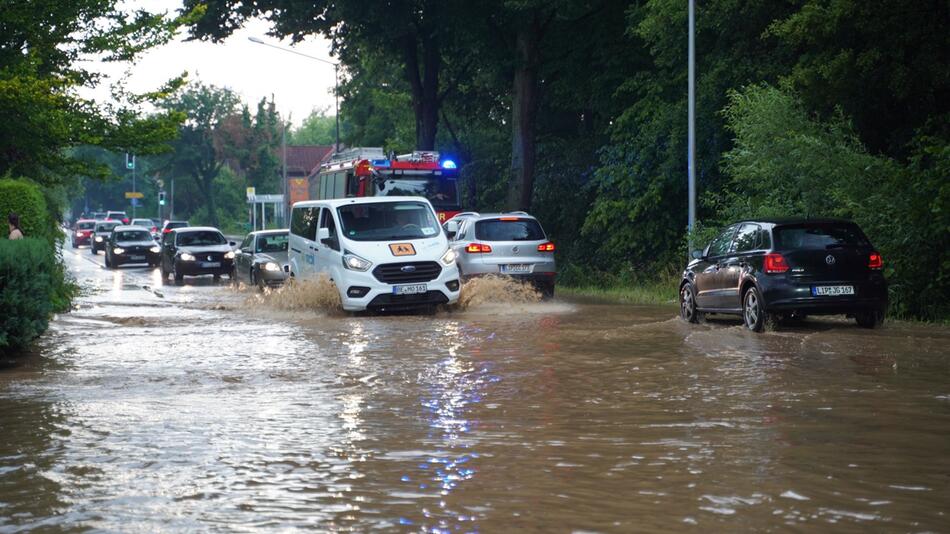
<point x="365" y="172"/>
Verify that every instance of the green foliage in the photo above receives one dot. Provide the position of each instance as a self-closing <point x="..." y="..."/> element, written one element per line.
<point x="317" y="129"/>
<point x="788" y="163"/>
<point x="26" y="199"/>
<point x="28" y="273"/>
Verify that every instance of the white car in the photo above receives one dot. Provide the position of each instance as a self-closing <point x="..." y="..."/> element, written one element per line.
<point x="382" y="253"/>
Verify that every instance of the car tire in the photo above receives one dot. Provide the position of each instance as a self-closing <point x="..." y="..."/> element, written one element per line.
<point x="753" y="312"/>
<point x="107" y="262"/>
<point x="93" y="250"/>
<point x="688" y="311"/>
<point x="179" y="278"/>
<point x="216" y="278"/>
<point x="75" y="245"/>
<point x="870" y="319"/>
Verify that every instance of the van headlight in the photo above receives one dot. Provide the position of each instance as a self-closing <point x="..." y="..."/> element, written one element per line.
<point x="229" y="255"/>
<point x="356" y="263"/>
<point x="186" y="257"/>
<point x="271" y="267"/>
<point x="449" y="257"/>
<point x="156" y="249"/>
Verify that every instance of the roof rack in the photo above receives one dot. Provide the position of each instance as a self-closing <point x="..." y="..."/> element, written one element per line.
<point x="468" y="213"/>
<point x="357" y="153"/>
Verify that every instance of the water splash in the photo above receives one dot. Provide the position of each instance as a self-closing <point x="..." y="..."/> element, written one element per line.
<point x="317" y="294"/>
<point x="496" y="290"/>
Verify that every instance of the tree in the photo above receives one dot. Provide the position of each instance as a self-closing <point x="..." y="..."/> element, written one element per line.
<point x="42" y="48"/>
<point x="417" y="33"/>
<point x="202" y="147"/>
<point x="317" y="129"/>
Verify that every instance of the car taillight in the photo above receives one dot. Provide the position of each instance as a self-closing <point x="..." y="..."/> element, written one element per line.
<point x="875" y="261"/>
<point x="125" y="221"/>
<point x="775" y="263"/>
<point x="546" y="247"/>
<point x="478" y="248"/>
<point x="165" y="231"/>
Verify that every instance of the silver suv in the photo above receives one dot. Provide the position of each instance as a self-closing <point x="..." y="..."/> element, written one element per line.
<point x="512" y="244"/>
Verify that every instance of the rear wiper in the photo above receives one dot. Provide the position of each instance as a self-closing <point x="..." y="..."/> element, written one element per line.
<point x="834" y="245"/>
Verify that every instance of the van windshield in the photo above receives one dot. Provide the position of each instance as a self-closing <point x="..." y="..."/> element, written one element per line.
<point x="387" y="221"/>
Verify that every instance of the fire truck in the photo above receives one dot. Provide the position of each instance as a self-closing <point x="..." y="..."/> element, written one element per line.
<point x="365" y="172"/>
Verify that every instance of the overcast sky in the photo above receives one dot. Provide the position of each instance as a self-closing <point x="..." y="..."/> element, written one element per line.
<point x="253" y="71"/>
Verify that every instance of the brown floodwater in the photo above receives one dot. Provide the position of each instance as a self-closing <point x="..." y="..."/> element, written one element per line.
<point x="208" y="408"/>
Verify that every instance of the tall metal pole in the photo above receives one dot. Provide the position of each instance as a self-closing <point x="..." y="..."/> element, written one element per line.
<point x="692" y="124"/>
<point x="171" y="201"/>
<point x="133" y="186"/>
<point x="336" y="94"/>
<point x="286" y="187"/>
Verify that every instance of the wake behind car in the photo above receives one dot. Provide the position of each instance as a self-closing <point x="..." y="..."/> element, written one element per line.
<point x="82" y="232"/>
<point x="509" y="244"/>
<point x="769" y="269"/>
<point x="383" y="253"/>
<point x="196" y="251"/>
<point x="261" y="258"/>
<point x="131" y="244"/>
<point x="101" y="235"/>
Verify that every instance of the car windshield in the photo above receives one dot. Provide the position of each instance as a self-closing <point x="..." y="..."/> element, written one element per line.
<point x="201" y="238"/>
<point x="508" y="229"/>
<point x="441" y="192"/>
<point x="387" y="221"/>
<point x="106" y="227"/>
<point x="86" y="225"/>
<point x="272" y="243"/>
<point x="819" y="236"/>
<point x="133" y="235"/>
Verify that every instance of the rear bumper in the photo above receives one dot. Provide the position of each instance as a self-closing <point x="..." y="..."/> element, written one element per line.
<point x="539" y="279"/>
<point x="80" y="240"/>
<point x="782" y="295"/>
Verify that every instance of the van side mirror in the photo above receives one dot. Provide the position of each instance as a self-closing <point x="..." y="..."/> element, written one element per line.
<point x="696" y="254"/>
<point x="323" y="234"/>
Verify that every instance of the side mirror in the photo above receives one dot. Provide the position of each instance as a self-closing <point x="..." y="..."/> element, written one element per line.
<point x="452" y="228"/>
<point x="696" y="254"/>
<point x="323" y="234"/>
<point x="245" y="251"/>
<point x="232" y="243"/>
<point x="287" y="269"/>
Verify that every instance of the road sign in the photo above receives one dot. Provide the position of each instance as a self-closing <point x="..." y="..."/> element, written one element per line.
<point x="251" y="191"/>
<point x="134" y="194"/>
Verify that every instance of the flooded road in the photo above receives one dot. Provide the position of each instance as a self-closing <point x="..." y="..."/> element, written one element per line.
<point x="202" y="408"/>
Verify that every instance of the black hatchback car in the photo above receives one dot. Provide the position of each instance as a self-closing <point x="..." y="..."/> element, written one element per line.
<point x="196" y="251"/>
<point x="766" y="270"/>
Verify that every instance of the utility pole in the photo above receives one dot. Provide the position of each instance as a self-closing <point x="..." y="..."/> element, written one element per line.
<point x="691" y="163"/>
<point x="171" y="202"/>
<point x="286" y="188"/>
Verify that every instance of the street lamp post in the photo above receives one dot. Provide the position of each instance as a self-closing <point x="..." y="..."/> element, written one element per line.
<point x="691" y="157"/>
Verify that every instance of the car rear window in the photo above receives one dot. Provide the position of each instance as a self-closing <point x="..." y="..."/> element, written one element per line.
<point x="819" y="236"/>
<point x="172" y="225"/>
<point x="106" y="227"/>
<point x="86" y="225"/>
<point x="508" y="229"/>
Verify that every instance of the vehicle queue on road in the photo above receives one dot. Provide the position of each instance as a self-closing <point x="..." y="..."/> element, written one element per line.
<point x="388" y="253"/>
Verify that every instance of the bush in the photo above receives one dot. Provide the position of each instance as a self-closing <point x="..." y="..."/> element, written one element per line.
<point x="28" y="282"/>
<point x="26" y="199"/>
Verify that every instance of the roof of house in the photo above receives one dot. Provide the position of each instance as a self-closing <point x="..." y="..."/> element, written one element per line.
<point x="303" y="159"/>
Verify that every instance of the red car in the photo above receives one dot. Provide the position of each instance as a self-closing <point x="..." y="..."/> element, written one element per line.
<point x="82" y="232"/>
<point x="119" y="216"/>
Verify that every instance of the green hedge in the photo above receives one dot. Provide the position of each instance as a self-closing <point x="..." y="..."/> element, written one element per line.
<point x="30" y="278"/>
<point x="26" y="199"/>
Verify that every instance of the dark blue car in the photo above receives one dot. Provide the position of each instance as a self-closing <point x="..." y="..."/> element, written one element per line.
<point x="772" y="269"/>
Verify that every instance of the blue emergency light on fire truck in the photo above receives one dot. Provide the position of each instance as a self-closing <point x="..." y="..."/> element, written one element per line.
<point x="365" y="172"/>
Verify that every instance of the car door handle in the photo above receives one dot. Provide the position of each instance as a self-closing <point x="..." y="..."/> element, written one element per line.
<point x="294" y="250"/>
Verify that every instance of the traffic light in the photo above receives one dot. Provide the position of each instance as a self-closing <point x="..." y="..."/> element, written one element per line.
<point x="161" y="198"/>
<point x="129" y="161"/>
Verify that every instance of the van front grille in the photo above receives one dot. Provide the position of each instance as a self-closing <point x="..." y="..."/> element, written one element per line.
<point x="407" y="273"/>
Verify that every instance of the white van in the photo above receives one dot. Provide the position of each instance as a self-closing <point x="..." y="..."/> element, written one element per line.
<point x="383" y="253"/>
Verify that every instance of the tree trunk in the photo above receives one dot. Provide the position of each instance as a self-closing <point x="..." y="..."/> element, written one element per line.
<point x="425" y="87"/>
<point x="524" y="110"/>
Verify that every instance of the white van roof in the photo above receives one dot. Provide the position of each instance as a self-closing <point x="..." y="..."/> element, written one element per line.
<point x="337" y="202"/>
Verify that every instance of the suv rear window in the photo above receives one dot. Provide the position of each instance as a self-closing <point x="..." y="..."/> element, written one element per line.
<point x="505" y="229"/>
<point x="86" y="225"/>
<point x="819" y="236"/>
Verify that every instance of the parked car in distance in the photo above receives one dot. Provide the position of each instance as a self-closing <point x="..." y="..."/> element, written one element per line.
<point x="101" y="235"/>
<point x="148" y="224"/>
<point x="119" y="216"/>
<point x="509" y="244"/>
<point x="82" y="232"/>
<point x="131" y="244"/>
<point x="382" y="253"/>
<point x="196" y="251"/>
<point x="261" y="258"/>
<point x="168" y="226"/>
<point x="769" y="269"/>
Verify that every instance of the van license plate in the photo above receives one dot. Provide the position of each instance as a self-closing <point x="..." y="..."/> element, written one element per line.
<point x="516" y="268"/>
<point x="211" y="264"/>
<point x="413" y="289"/>
<point x="831" y="291"/>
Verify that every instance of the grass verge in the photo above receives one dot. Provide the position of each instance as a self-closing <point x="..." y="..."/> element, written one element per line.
<point x="660" y="292"/>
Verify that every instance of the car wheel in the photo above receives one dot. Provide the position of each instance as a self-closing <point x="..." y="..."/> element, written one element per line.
<point x="753" y="312"/>
<point x="75" y="245"/>
<point x="216" y="278"/>
<point x="688" y="311"/>
<point x="108" y="264"/>
<point x="870" y="319"/>
<point x="179" y="278"/>
<point x="547" y="290"/>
